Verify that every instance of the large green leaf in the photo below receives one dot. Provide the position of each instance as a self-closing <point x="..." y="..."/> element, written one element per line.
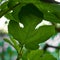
<point x="37" y="55"/>
<point x="30" y="16"/>
<point x="30" y="37"/>
<point x="40" y="35"/>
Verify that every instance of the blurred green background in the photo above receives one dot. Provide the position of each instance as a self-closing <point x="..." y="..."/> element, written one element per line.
<point x="7" y="52"/>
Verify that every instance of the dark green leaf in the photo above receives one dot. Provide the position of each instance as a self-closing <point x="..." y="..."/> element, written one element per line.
<point x="32" y="17"/>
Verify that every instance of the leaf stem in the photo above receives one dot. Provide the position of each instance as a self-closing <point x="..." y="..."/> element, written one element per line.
<point x="20" y="54"/>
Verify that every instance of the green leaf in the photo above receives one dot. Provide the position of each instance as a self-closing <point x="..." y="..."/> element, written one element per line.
<point x="39" y="36"/>
<point x="30" y="16"/>
<point x="57" y="14"/>
<point x="37" y="55"/>
<point x="52" y="17"/>
<point x="30" y="39"/>
<point x="43" y="6"/>
<point x="48" y="9"/>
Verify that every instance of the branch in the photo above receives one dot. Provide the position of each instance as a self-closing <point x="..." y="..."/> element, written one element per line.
<point x="47" y="46"/>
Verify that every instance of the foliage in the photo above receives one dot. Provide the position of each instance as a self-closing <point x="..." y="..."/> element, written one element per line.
<point x="30" y="13"/>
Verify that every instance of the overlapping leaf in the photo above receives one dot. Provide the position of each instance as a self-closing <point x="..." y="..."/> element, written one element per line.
<point x="51" y="11"/>
<point x="30" y="16"/>
<point x="33" y="38"/>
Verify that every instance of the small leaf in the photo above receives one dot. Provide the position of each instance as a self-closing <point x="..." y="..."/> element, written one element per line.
<point x="31" y="39"/>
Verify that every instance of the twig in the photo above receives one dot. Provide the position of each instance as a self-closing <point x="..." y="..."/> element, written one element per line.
<point x="47" y="46"/>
